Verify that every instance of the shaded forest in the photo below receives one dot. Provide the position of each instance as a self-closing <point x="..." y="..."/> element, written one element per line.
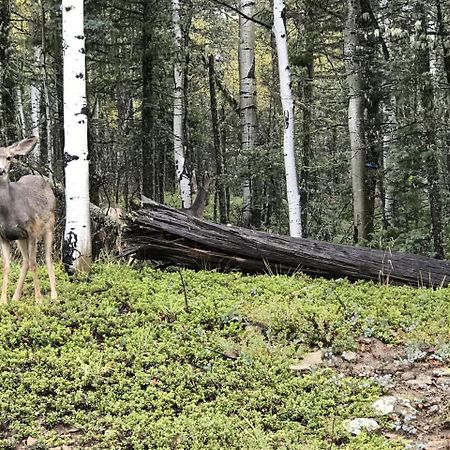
<point x="370" y="83"/>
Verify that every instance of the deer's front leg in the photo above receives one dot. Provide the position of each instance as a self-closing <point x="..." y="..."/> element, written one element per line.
<point x="48" y="243"/>
<point x="6" y="254"/>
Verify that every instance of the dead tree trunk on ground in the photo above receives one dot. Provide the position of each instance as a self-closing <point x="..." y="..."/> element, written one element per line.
<point x="168" y="235"/>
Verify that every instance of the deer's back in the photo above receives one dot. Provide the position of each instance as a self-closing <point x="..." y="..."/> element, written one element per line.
<point x="28" y="208"/>
<point x="40" y="194"/>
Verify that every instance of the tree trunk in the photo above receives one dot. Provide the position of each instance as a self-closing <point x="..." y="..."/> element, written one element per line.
<point x="36" y="103"/>
<point x="220" y="182"/>
<point x="22" y="122"/>
<point x="57" y="51"/>
<point x="293" y="196"/>
<point x="152" y="166"/>
<point x="77" y="247"/>
<point x="179" y="143"/>
<point x="247" y="103"/>
<point x="428" y="118"/>
<point x="8" y="128"/>
<point x="389" y="159"/>
<point x="307" y="96"/>
<point x="168" y="236"/>
<point x="48" y="113"/>
<point x="361" y="219"/>
<point x="443" y="37"/>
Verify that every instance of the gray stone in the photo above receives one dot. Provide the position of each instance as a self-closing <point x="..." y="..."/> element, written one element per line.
<point x="360" y="424"/>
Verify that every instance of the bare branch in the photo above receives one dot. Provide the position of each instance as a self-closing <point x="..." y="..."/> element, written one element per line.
<point x="236" y="10"/>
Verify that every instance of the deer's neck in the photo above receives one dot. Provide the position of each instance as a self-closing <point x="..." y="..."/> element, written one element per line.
<point x="5" y="189"/>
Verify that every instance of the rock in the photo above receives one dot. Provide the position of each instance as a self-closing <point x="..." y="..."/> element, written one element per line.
<point x="356" y="426"/>
<point x="422" y="381"/>
<point x="385" y="405"/>
<point x="363" y="370"/>
<point x="406" y="376"/>
<point x="31" y="441"/>
<point x="309" y="361"/>
<point x="404" y="408"/>
<point x="434" y="409"/>
<point x="349" y="356"/>
<point x="393" y="436"/>
<point x="442" y="372"/>
<point x="440" y="444"/>
<point x="334" y="362"/>
<point x="66" y="447"/>
<point x="395" y="405"/>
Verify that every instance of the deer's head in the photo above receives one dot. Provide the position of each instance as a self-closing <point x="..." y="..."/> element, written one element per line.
<point x="19" y="148"/>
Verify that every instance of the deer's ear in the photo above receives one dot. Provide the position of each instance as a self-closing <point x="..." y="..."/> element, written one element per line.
<point x="24" y="146"/>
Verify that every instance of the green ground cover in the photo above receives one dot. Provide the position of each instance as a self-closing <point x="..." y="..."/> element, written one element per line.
<point x="142" y="359"/>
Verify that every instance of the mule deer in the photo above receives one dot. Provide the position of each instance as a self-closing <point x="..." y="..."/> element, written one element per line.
<point x="201" y="199"/>
<point x="27" y="213"/>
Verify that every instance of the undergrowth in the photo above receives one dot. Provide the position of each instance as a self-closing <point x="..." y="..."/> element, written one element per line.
<point x="142" y="359"/>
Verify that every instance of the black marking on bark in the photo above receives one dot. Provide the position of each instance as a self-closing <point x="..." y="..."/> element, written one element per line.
<point x="80" y="75"/>
<point x="84" y="110"/>
<point x="251" y="72"/>
<point x="69" y="158"/>
<point x="69" y="8"/>
<point x="250" y="107"/>
<point x="80" y="36"/>
<point x="69" y="251"/>
<point x="286" y="120"/>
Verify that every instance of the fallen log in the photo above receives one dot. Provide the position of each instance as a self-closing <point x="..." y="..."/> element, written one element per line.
<point x="164" y="234"/>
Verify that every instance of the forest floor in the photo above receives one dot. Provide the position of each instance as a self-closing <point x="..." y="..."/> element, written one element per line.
<point x="142" y="359"/>
<point x="417" y="390"/>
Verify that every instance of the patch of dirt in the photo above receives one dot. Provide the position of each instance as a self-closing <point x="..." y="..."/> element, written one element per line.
<point x="417" y="379"/>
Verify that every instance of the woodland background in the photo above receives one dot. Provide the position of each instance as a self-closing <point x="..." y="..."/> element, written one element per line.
<point x="402" y="59"/>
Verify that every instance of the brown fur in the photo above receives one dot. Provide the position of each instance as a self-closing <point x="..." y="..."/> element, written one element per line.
<point x="27" y="214"/>
<point x="201" y="199"/>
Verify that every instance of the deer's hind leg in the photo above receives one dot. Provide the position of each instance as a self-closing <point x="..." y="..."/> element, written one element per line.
<point x="23" y="246"/>
<point x="32" y="253"/>
<point x="6" y="254"/>
<point x="48" y="244"/>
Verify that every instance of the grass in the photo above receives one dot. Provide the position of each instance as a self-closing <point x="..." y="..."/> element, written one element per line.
<point x="120" y="359"/>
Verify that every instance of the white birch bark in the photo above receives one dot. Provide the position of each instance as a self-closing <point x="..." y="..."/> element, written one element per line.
<point x="178" y="112"/>
<point x="356" y="123"/>
<point x="49" y="130"/>
<point x="388" y="158"/>
<point x="293" y="196"/>
<point x="23" y="126"/>
<point x="47" y="98"/>
<point x="77" y="253"/>
<point x="389" y="119"/>
<point x="36" y="104"/>
<point x="247" y="105"/>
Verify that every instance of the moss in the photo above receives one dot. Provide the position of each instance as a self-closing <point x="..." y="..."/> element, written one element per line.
<point x="119" y="358"/>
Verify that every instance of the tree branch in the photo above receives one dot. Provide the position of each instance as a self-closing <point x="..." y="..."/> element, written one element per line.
<point x="236" y="10"/>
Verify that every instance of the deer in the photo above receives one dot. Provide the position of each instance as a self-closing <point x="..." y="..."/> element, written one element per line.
<point x="27" y="214"/>
<point x="201" y="199"/>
